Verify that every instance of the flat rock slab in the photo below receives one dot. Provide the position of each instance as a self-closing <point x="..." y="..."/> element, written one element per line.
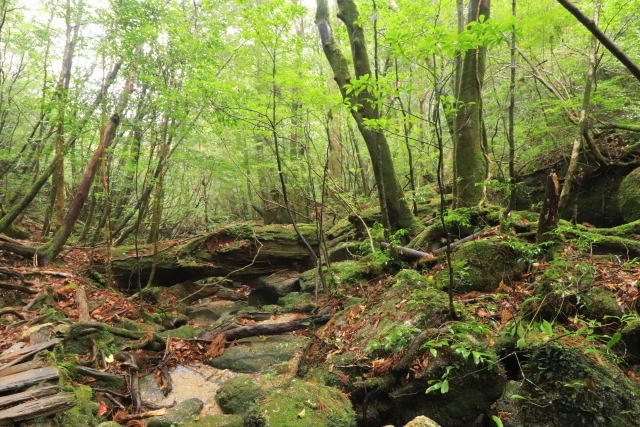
<point x="28" y="378"/>
<point x="27" y="395"/>
<point x="12" y="352"/>
<point x="196" y="380"/>
<point x="259" y="355"/>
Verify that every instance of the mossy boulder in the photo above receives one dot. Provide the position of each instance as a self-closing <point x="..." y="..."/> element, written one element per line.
<point x="628" y="196"/>
<point x="346" y="273"/>
<point x="599" y="302"/>
<point x="297" y="302"/>
<point x="631" y="340"/>
<point x="567" y="388"/>
<point x="183" y="412"/>
<point x="482" y="264"/>
<point x="216" y="421"/>
<point x="236" y="395"/>
<point x="302" y="404"/>
<point x="373" y="347"/>
<point x="258" y="354"/>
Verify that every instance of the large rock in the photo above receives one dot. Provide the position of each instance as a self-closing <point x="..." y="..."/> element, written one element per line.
<point x="379" y="352"/>
<point x="259" y="355"/>
<point x="269" y="288"/>
<point x="566" y="388"/>
<point x="183" y="412"/>
<point x="631" y="341"/>
<point x="482" y="264"/>
<point x="628" y="196"/>
<point x="302" y="404"/>
<point x="422" y="421"/>
<point x="216" y="421"/>
<point x="236" y="395"/>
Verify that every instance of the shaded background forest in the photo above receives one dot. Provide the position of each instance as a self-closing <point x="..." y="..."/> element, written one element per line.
<point x="210" y="82"/>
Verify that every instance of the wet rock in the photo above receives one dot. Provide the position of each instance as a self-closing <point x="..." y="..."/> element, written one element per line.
<point x="300" y="403"/>
<point x="183" y="412"/>
<point x="257" y="354"/>
<point x="237" y="394"/>
<point x="217" y="421"/>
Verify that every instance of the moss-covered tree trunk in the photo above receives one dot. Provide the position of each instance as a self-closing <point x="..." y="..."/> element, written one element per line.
<point x="470" y="164"/>
<point x="396" y="212"/>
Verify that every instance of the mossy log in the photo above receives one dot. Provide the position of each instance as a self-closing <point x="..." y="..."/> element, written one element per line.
<point x="243" y="250"/>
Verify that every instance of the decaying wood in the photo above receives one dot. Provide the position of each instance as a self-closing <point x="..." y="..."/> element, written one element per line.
<point x="28" y="378"/>
<point x="270" y="329"/>
<point x="22" y="367"/>
<point x="38" y="408"/>
<point x="29" y="394"/>
<point x="17" y="356"/>
<point x="415" y="254"/>
<point x="123" y="418"/>
<point x="7" y="355"/>
<point x="82" y="305"/>
<point x="549" y="216"/>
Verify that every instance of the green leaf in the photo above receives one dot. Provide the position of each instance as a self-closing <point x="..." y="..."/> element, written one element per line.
<point x="445" y="387"/>
<point x="434" y="352"/>
<point x="433" y="388"/>
<point x="614" y="339"/>
<point x="517" y="396"/>
<point x="497" y="420"/>
<point x="548" y="328"/>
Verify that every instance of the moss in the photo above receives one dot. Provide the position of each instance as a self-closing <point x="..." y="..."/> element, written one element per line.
<point x="236" y="395"/>
<point x="298" y="302"/>
<point x="567" y="388"/>
<point x="599" y="302"/>
<point x="302" y="404"/>
<point x="83" y="414"/>
<point x="183" y="332"/>
<point x="481" y="265"/>
<point x="217" y="421"/>
<point x="82" y="344"/>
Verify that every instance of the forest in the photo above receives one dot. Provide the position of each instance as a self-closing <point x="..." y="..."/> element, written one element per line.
<point x="329" y="213"/>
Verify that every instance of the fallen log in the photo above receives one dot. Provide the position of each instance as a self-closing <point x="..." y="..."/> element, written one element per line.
<point x="415" y="254"/>
<point x="38" y="408"/>
<point x="268" y="329"/>
<point x="82" y="305"/>
<point x="28" y="378"/>
<point x="22" y="367"/>
<point x="29" y="394"/>
<point x="242" y="250"/>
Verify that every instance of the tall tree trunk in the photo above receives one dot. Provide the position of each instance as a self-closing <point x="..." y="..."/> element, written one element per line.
<point x="390" y="193"/>
<point x="55" y="246"/>
<point x="582" y="122"/>
<point x="470" y="165"/>
<point x="512" y="108"/>
<point x="61" y="94"/>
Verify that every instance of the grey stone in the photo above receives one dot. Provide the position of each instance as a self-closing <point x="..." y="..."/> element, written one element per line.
<point x="257" y="354"/>
<point x="217" y="421"/>
<point x="236" y="394"/>
<point x="422" y="421"/>
<point x="183" y="412"/>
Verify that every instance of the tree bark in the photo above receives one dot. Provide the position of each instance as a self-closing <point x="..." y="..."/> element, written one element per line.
<point x="548" y="220"/>
<point x="363" y="108"/>
<point x="53" y="248"/>
<point x="470" y="162"/>
<point x="582" y="123"/>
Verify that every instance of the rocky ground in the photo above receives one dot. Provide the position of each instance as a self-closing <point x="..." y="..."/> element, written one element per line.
<point x="541" y="336"/>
